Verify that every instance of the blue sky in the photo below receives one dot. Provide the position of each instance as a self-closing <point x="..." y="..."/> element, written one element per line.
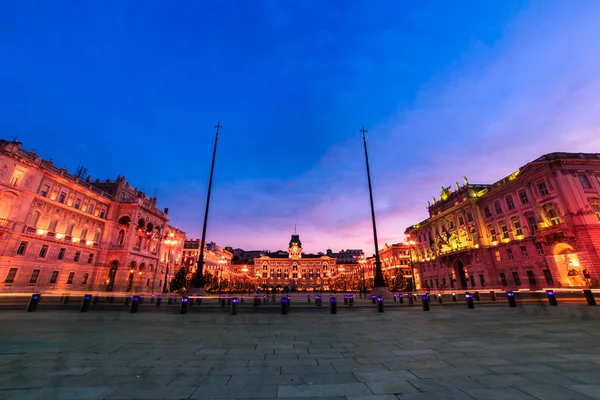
<point x="445" y="89"/>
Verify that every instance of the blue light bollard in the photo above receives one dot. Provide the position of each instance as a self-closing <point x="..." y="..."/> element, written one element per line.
<point x="184" y="305"/>
<point x="135" y="303"/>
<point x="284" y="305"/>
<point x="85" y="303"/>
<point x="234" y="305"/>
<point x="158" y="300"/>
<point x="33" y="302"/>
<point x="379" y="304"/>
<point x="333" y="305"/>
<point x="425" y="301"/>
<point x="551" y="297"/>
<point x="351" y="300"/>
<point x="469" y="298"/>
<point x="510" y="296"/>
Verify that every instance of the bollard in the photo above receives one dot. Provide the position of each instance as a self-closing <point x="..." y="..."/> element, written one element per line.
<point x="199" y="300"/>
<point x="96" y="299"/>
<point x="65" y="299"/>
<point x="33" y="302"/>
<point x="476" y="296"/>
<point x="223" y="300"/>
<point x="380" y="304"/>
<point x="401" y="298"/>
<point x="440" y="299"/>
<point x="289" y="300"/>
<point x="425" y="301"/>
<point x="589" y="296"/>
<point x="410" y="299"/>
<point x="351" y="300"/>
<point x="394" y="296"/>
<point x="158" y="300"/>
<point x="373" y="299"/>
<point x="127" y="300"/>
<point x="272" y="298"/>
<point x="333" y="305"/>
<point x="184" y="305"/>
<point x="510" y="296"/>
<point x="135" y="302"/>
<point x="152" y="299"/>
<point x="318" y="301"/>
<point x="141" y="299"/>
<point x="85" y="304"/>
<point x="190" y="301"/>
<point x="170" y="300"/>
<point x="454" y="299"/>
<point x="112" y="298"/>
<point x="470" y="303"/>
<point x="345" y="300"/>
<point x="234" y="305"/>
<point x="551" y="297"/>
<point x="228" y="300"/>
<point x="284" y="305"/>
<point x="493" y="295"/>
<point x="256" y="301"/>
<point x="240" y="302"/>
<point x="309" y="299"/>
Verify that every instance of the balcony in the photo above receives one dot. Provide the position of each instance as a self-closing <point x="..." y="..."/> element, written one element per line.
<point x="7" y="224"/>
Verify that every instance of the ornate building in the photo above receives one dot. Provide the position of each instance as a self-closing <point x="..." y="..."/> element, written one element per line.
<point x="294" y="269"/>
<point x="217" y="261"/>
<point x="61" y="232"/>
<point x="538" y="227"/>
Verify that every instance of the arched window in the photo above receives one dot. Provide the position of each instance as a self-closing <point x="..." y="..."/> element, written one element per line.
<point x="52" y="226"/>
<point x="69" y="231"/>
<point x="121" y="237"/>
<point x="33" y="218"/>
<point x="595" y="203"/>
<point x="97" y="236"/>
<point x="83" y="235"/>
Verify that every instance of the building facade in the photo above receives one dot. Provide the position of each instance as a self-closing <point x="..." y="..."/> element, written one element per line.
<point x="538" y="227"/>
<point x="294" y="269"/>
<point x="60" y="232"/>
<point x="217" y="260"/>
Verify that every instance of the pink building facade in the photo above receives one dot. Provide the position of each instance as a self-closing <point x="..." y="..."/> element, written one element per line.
<point x="59" y="232"/>
<point x="539" y="227"/>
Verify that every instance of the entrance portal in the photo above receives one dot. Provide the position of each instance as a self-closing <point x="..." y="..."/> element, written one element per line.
<point x="112" y="274"/>
<point x="460" y="273"/>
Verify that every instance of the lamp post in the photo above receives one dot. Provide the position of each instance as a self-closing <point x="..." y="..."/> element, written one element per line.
<point x="221" y="262"/>
<point x="380" y="288"/>
<point x="411" y="243"/>
<point x="169" y="241"/>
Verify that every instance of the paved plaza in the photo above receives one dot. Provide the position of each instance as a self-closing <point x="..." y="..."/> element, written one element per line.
<point x="529" y="352"/>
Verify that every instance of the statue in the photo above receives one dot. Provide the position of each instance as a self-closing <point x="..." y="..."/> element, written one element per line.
<point x="457" y="186"/>
<point x="428" y="203"/>
<point x="466" y="180"/>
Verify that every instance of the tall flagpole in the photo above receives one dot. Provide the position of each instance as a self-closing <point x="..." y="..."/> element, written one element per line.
<point x="198" y="281"/>
<point x="379" y="281"/>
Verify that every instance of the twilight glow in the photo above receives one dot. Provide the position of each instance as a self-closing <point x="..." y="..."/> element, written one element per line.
<point x="445" y="90"/>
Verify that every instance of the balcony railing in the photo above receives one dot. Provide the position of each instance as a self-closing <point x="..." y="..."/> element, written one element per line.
<point x="7" y="224"/>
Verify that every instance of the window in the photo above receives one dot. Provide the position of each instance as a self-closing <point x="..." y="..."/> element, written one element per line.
<point x="10" y="278"/>
<point x="504" y="229"/>
<point x="472" y="279"/>
<point x="497" y="254"/>
<point x="444" y="282"/>
<point x="498" y="207"/>
<point x="61" y="197"/>
<point x="91" y="208"/>
<point x="52" y="226"/>
<point x="452" y="225"/>
<point x="121" y="237"/>
<point x="548" y="277"/>
<point x="469" y="216"/>
<point x="518" y="228"/>
<point x="482" y="280"/>
<point x="532" y="224"/>
<point x="487" y="212"/>
<point x="102" y="213"/>
<point x="493" y="234"/>
<point x="516" y="278"/>
<point x="43" y="251"/>
<point x="523" y="197"/>
<point x="531" y="277"/>
<point x="585" y="182"/>
<point x="77" y="255"/>
<point x="461" y="220"/>
<point x="90" y="258"/>
<point x="61" y="253"/>
<point x="54" y="277"/>
<point x="542" y="188"/>
<point x="503" y="279"/>
<point x="437" y="283"/>
<point x="77" y="203"/>
<point x="524" y="251"/>
<point x="554" y="220"/>
<point x="540" y="249"/>
<point x="34" y="276"/>
<point x="22" y="248"/>
<point x="44" y="190"/>
<point x="451" y="282"/>
<point x="510" y="203"/>
<point x="295" y="275"/>
<point x="85" y="278"/>
<point x="148" y="283"/>
<point x="596" y="208"/>
<point x="511" y="256"/>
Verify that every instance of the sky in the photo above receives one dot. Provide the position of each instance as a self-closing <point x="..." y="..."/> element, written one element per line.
<point x="445" y="90"/>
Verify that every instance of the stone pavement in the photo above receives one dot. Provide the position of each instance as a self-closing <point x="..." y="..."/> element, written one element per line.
<point x="531" y="352"/>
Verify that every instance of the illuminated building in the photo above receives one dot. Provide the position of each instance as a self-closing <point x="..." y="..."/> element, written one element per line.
<point x="217" y="261"/>
<point x="538" y="227"/>
<point x="64" y="232"/>
<point x="294" y="269"/>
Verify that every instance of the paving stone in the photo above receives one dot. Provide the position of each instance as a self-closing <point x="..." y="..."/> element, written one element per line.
<point x="234" y="392"/>
<point x="551" y="392"/>
<point x="592" y="391"/>
<point x="131" y="392"/>
<point x="500" y="393"/>
<point x="348" y="389"/>
<point x="452" y="394"/>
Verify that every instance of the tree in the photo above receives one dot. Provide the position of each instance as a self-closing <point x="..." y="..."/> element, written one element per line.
<point x="400" y="283"/>
<point x="180" y="282"/>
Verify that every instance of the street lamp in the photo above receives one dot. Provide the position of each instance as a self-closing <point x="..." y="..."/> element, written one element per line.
<point x="362" y="261"/>
<point x="221" y="262"/>
<point x="411" y="243"/>
<point x="169" y="242"/>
